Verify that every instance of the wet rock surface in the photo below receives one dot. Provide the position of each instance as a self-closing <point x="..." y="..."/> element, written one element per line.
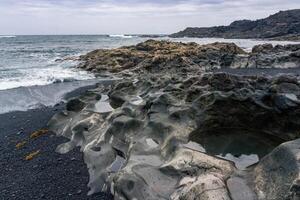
<point x="151" y="135"/>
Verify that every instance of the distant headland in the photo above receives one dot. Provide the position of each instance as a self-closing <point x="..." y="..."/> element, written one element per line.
<point x="284" y="25"/>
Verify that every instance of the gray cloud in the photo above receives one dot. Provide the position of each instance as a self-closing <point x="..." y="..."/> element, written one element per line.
<point x="127" y="16"/>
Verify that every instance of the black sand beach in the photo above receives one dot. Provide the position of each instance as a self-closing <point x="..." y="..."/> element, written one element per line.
<point x="48" y="175"/>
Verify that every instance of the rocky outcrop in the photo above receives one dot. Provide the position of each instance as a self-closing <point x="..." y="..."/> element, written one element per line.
<point x="137" y="140"/>
<point x="181" y="58"/>
<point x="282" y="25"/>
<point x="269" y="56"/>
<point x="152" y="56"/>
<point x="147" y="135"/>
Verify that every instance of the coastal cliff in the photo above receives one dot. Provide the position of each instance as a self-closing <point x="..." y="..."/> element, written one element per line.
<point x="284" y="25"/>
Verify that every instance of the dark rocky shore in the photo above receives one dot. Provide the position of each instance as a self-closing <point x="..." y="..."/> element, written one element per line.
<point x="280" y="26"/>
<point x="171" y="57"/>
<point x="189" y="121"/>
<point x="186" y="121"/>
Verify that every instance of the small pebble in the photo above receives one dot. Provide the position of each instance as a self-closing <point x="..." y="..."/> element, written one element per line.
<point x="19" y="133"/>
<point x="78" y="192"/>
<point x="35" y="166"/>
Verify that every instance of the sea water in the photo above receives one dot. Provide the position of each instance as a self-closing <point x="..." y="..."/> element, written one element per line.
<point x="29" y="62"/>
<point x="39" y="70"/>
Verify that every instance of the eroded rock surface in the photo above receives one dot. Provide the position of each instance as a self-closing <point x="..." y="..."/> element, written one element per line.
<point x="181" y="58"/>
<point x="153" y="56"/>
<point x="137" y="148"/>
<point x="268" y="56"/>
<point x="137" y="135"/>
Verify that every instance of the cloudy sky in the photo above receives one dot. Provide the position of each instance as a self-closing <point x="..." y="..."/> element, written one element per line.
<point x="128" y="16"/>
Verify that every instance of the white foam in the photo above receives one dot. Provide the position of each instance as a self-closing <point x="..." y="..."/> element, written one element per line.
<point x="7" y="36"/>
<point x="43" y="76"/>
<point x="121" y="36"/>
<point x="24" y="98"/>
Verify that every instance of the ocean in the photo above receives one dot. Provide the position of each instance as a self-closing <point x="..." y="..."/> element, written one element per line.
<point x="32" y="67"/>
<point x="34" y="60"/>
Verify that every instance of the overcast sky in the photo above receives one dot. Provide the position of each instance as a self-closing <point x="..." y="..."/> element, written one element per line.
<point x="128" y="16"/>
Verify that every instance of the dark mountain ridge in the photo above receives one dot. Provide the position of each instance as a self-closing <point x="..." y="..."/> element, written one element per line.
<point x="282" y="25"/>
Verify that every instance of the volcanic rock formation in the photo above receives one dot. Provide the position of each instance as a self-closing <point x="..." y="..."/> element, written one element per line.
<point x="155" y="55"/>
<point x="173" y="57"/>
<point x="147" y="135"/>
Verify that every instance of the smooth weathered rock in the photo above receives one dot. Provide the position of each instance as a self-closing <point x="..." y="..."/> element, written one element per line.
<point x="277" y="175"/>
<point x="239" y="189"/>
<point x="137" y="149"/>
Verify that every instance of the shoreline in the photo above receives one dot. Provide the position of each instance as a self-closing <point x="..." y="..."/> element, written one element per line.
<point x="26" y="98"/>
<point x="31" y="169"/>
<point x="48" y="175"/>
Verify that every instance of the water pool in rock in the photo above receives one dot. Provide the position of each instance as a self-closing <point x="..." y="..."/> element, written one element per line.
<point x="244" y="148"/>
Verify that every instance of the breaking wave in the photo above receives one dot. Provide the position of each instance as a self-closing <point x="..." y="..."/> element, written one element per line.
<point x="44" y="76"/>
<point x="7" y="36"/>
<point x="121" y="36"/>
<point x="25" y="98"/>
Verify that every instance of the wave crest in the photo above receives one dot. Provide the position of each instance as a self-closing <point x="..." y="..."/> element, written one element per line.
<point x="44" y="76"/>
<point x="7" y="36"/>
<point x="121" y="36"/>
